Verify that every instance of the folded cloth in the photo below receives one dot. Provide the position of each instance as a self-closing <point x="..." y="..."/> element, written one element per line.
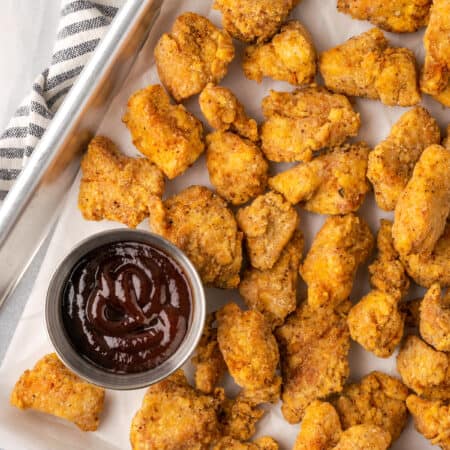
<point x="83" y="23"/>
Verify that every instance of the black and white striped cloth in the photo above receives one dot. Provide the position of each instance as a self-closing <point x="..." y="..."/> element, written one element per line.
<point x="82" y="25"/>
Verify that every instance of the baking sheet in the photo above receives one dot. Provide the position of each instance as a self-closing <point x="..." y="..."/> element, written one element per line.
<point x="35" y="431"/>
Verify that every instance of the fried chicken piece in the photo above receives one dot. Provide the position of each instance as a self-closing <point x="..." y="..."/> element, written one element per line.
<point x="263" y="443"/>
<point x="116" y="187"/>
<point x="192" y="55"/>
<point x="224" y="112"/>
<point x="198" y="222"/>
<point x="273" y="292"/>
<point x="378" y="399"/>
<point x="167" y="134"/>
<point x="290" y="56"/>
<point x="314" y="345"/>
<point x="174" y="416"/>
<point x="268" y="224"/>
<point x="341" y="245"/>
<point x="398" y="16"/>
<point x="236" y="166"/>
<point x="392" y="162"/>
<point x="364" y="437"/>
<point x="250" y="352"/>
<point x="301" y="122"/>
<point x="333" y="183"/>
<point x="366" y="66"/>
<point x="53" y="389"/>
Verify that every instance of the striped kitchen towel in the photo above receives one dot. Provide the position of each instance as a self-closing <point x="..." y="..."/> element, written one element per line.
<point x="82" y="25"/>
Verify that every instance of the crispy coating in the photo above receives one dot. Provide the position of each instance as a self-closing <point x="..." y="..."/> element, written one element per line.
<point x="174" y="416"/>
<point x="366" y="66"/>
<point x="314" y="345"/>
<point x="53" y="389"/>
<point x="273" y="291"/>
<point x="263" y="443"/>
<point x="392" y="162"/>
<point x="422" y="208"/>
<point x="364" y="437"/>
<point x="398" y="16"/>
<point x="411" y="309"/>
<point x="341" y="245"/>
<point x="250" y="351"/>
<point x="167" y="134"/>
<point x="290" y="56"/>
<point x="192" y="55"/>
<point x="236" y="166"/>
<point x="268" y="224"/>
<point x="199" y="222"/>
<point x="301" y="122"/>
<point x="224" y="112"/>
<point x="116" y="187"/>
<point x="332" y="183"/>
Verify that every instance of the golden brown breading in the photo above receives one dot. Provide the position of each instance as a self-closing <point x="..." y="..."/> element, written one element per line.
<point x="263" y="443"/>
<point x="332" y="183"/>
<point x="392" y="162"/>
<point x="192" y="55"/>
<point x="364" y="437"/>
<point x="366" y="66"/>
<point x="273" y="292"/>
<point x="290" y="56"/>
<point x="53" y="389"/>
<point x="398" y="16"/>
<point x="301" y="122"/>
<point x="250" y="352"/>
<point x="174" y="416"/>
<point x="167" y="134"/>
<point x="116" y="187"/>
<point x="314" y="345"/>
<point x="236" y="166"/>
<point x="411" y="309"/>
<point x="268" y="224"/>
<point x="199" y="222"/>
<point x="224" y="112"/>
<point x="341" y="245"/>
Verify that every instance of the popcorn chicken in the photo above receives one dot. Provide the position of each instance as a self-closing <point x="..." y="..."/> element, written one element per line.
<point x="224" y="112"/>
<point x="53" y="389"/>
<point x="342" y="244"/>
<point x="314" y="345"/>
<point x="364" y="437"/>
<point x="192" y="55"/>
<point x="264" y="443"/>
<point x="199" y="223"/>
<point x="332" y="183"/>
<point x="392" y="162"/>
<point x="273" y="291"/>
<point x="290" y="56"/>
<point x="398" y="16"/>
<point x="301" y="122"/>
<point x="268" y="224"/>
<point x="366" y="66"/>
<point x="167" y="134"/>
<point x="116" y="187"/>
<point x="236" y="166"/>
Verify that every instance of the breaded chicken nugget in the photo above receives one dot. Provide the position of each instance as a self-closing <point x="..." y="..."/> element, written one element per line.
<point x="392" y="162"/>
<point x="224" y="112"/>
<point x="199" y="222"/>
<point x="366" y="66"/>
<point x="167" y="134"/>
<point x="268" y="224"/>
<point x="364" y="437"/>
<point x="341" y="245"/>
<point x="314" y="345"/>
<point x="301" y="122"/>
<point x="290" y="56"/>
<point x="53" y="389"/>
<point x="236" y="166"/>
<point x="116" y="187"/>
<point x="192" y="55"/>
<point x="332" y="183"/>
<point x="273" y="292"/>
<point x="398" y="16"/>
<point x="263" y="443"/>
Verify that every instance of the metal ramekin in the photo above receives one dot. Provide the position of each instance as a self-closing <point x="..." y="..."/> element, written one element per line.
<point x="91" y="372"/>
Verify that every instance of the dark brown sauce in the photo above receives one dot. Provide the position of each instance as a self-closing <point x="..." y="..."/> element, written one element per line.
<point x="126" y="306"/>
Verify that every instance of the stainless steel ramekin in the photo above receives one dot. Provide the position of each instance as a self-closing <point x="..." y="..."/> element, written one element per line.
<point x="91" y="372"/>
